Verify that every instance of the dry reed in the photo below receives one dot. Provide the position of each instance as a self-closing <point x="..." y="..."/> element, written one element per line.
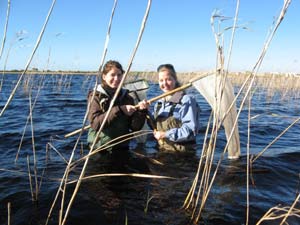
<point x="114" y="142"/>
<point x="33" y="151"/>
<point x="8" y="213"/>
<point x="276" y="139"/>
<point x="29" y="60"/>
<point x="5" y="29"/>
<point x="277" y="212"/>
<point x="30" y="179"/>
<point x="56" y="150"/>
<point x="208" y="175"/>
<point x="63" y="218"/>
<point x="140" y="175"/>
<point x="205" y="184"/>
<point x="64" y="179"/>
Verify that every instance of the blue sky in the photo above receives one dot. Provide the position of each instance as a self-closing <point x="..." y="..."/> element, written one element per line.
<point x="177" y="32"/>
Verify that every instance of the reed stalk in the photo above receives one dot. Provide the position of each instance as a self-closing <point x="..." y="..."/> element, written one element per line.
<point x="8" y="213"/>
<point x="147" y="202"/>
<point x="291" y="210"/>
<point x="154" y="161"/>
<point x="220" y="61"/>
<point x="248" y="162"/>
<point x="190" y="197"/>
<point x="140" y="175"/>
<point x="277" y="212"/>
<point x="15" y="171"/>
<point x="254" y="72"/>
<point x="27" y="121"/>
<point x="63" y="218"/>
<point x="206" y="179"/>
<point x="112" y="143"/>
<point x="276" y="139"/>
<point x="56" y="150"/>
<point x="33" y="151"/>
<point x="232" y="35"/>
<point x="30" y="179"/>
<point x="84" y="121"/>
<point x="5" y="29"/>
<point x="102" y="59"/>
<point x="117" y="91"/>
<point x="29" y="60"/>
<point x="18" y="37"/>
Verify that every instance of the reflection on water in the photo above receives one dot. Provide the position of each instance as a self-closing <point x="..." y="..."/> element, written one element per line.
<point x="60" y="108"/>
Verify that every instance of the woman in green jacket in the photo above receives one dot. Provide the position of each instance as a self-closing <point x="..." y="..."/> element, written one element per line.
<point x="123" y="118"/>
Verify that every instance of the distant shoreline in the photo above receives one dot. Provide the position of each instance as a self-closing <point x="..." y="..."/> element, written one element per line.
<point x="278" y="81"/>
<point x="51" y="72"/>
<point x="139" y="73"/>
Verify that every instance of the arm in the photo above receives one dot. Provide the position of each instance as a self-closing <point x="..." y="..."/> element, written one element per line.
<point x="138" y="120"/>
<point x="139" y="116"/>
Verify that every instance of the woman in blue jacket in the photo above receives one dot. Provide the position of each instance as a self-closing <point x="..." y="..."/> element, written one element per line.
<point x="176" y="116"/>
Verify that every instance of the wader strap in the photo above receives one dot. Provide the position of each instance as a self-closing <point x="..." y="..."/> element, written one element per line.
<point x="159" y="104"/>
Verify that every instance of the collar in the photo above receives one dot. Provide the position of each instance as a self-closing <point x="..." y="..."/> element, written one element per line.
<point x="100" y="89"/>
<point x="176" y="97"/>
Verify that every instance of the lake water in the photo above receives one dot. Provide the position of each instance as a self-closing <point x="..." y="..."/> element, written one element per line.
<point x="59" y="109"/>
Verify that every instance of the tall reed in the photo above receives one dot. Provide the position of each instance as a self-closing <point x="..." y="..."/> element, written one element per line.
<point x="5" y="29"/>
<point x="208" y="176"/>
<point x="29" y="60"/>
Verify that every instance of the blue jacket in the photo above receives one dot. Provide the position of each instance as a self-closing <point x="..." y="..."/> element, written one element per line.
<point x="184" y="108"/>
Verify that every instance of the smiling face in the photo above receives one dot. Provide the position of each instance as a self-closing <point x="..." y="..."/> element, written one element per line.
<point x="166" y="81"/>
<point x="113" y="77"/>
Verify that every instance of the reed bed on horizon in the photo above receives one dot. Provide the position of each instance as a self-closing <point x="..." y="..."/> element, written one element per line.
<point x="272" y="80"/>
<point x="286" y="85"/>
<point x="269" y="84"/>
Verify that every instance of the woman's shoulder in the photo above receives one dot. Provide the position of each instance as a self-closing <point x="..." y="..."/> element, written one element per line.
<point x="188" y="98"/>
<point x="96" y="95"/>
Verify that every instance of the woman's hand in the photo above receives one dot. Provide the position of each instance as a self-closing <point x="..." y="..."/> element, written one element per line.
<point x="159" y="134"/>
<point x="143" y="105"/>
<point x="128" y="109"/>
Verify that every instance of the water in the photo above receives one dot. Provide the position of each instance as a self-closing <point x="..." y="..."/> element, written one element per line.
<point x="60" y="108"/>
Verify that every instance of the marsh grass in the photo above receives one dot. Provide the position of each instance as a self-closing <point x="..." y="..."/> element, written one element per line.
<point x="282" y="85"/>
<point x="271" y="84"/>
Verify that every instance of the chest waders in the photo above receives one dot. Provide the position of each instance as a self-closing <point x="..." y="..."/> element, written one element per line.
<point x="167" y="123"/>
<point x="116" y="129"/>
